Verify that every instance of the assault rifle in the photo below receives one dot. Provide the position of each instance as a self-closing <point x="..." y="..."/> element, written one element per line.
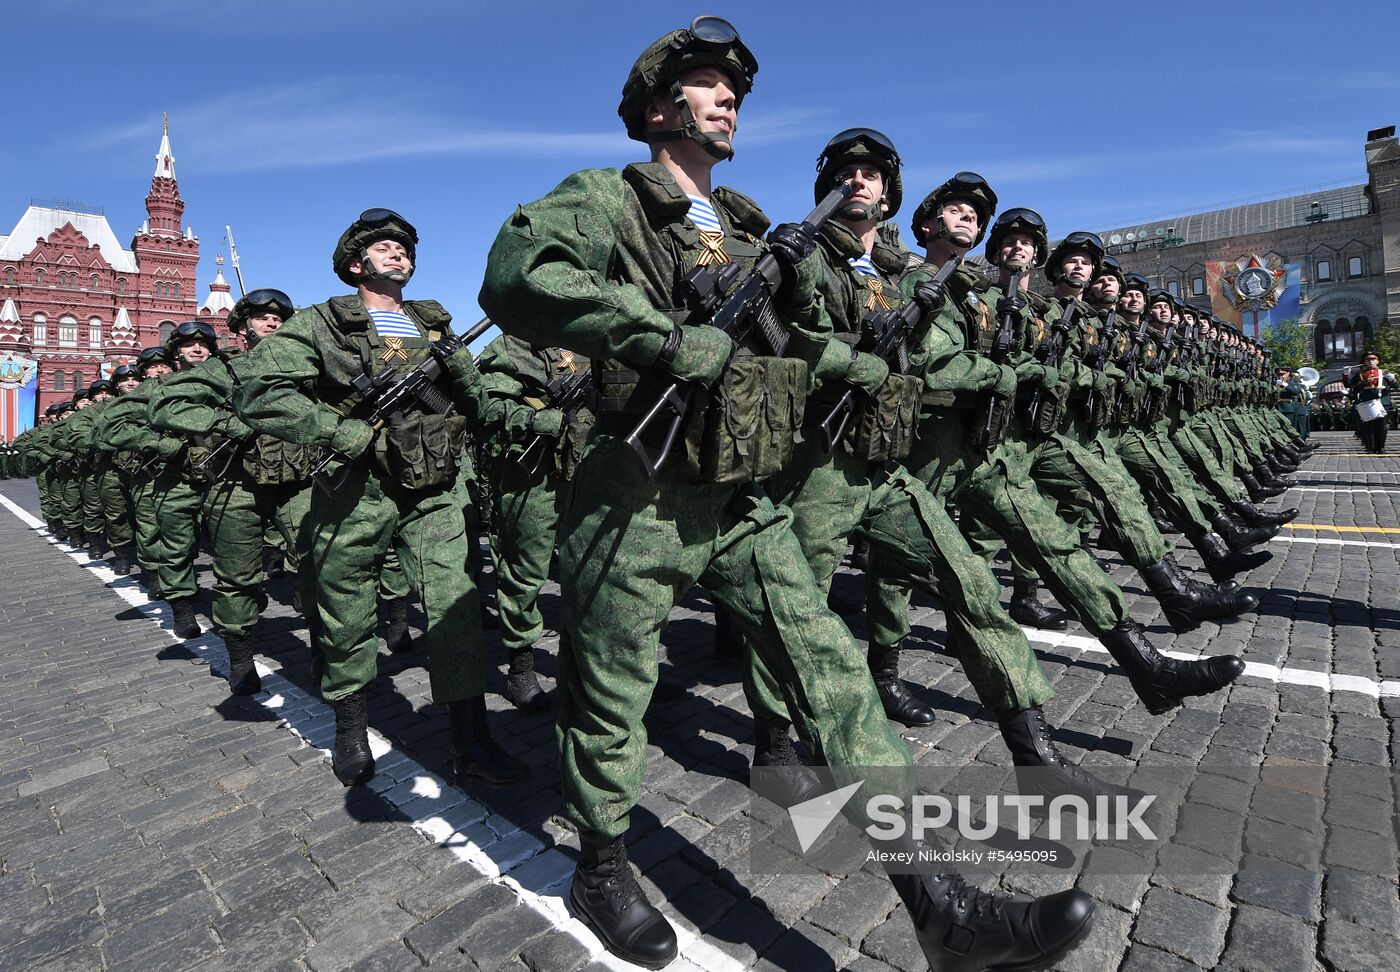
<point x="1054" y="352"/>
<point x="385" y="398"/>
<point x="884" y="334"/>
<point x="567" y="395"/>
<point x="1108" y="335"/>
<point x="216" y="462"/>
<point x="1130" y="366"/>
<point x="1006" y="336"/>
<point x="721" y="300"/>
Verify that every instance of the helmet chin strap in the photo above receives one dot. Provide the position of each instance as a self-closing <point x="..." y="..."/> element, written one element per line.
<point x="859" y="212"/>
<point x="690" y="128"/>
<point x="371" y="272"/>
<point x="941" y="233"/>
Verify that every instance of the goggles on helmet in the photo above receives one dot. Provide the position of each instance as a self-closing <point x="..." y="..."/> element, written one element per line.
<point x="715" y="33"/>
<point x="378" y="216"/>
<point x="269" y="297"/>
<point x="841" y="140"/>
<point x="191" y="330"/>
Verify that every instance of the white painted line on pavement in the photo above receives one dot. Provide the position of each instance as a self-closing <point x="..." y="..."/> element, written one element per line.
<point x="1326" y="542"/>
<point x="538" y="875"/>
<point x="1275" y="673"/>
<point x="1340" y="489"/>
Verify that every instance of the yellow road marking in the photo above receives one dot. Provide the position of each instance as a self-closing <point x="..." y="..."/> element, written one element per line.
<point x="1341" y="529"/>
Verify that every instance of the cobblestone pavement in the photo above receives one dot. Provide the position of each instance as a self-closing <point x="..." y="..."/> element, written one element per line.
<point x="148" y="821"/>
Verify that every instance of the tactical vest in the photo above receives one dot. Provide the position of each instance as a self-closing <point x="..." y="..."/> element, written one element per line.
<point x="1054" y="401"/>
<point x="424" y="449"/>
<point x="535" y="367"/>
<point x="742" y="429"/>
<point x="265" y="460"/>
<point x="966" y="292"/>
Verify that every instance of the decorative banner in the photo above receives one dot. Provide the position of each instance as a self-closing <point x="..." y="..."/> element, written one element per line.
<point x="1253" y="294"/>
<point x="19" y="383"/>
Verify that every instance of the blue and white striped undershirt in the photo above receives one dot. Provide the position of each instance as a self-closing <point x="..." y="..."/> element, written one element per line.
<point x="863" y="266"/>
<point x="703" y="215"/>
<point x="394" y="324"/>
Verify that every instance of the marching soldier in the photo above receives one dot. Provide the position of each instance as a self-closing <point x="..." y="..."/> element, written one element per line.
<point x="595" y="266"/>
<point x="309" y="383"/>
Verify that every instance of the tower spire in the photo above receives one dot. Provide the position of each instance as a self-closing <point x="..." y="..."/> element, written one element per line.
<point x="165" y="158"/>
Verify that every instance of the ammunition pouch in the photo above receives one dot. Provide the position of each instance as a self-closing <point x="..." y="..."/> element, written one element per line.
<point x="753" y="413"/>
<point x="889" y="420"/>
<point x="269" y="461"/>
<point x="1053" y="403"/>
<point x="572" y="442"/>
<point x="995" y="420"/>
<point x="423" y="451"/>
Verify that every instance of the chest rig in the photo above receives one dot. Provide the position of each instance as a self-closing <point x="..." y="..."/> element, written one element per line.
<point x="541" y="371"/>
<point x="743" y="428"/>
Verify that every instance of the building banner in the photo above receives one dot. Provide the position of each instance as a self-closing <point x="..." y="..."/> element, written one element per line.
<point x="19" y="385"/>
<point x="1253" y="294"/>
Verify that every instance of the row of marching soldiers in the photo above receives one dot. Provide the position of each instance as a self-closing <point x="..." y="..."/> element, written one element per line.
<point x="999" y="417"/>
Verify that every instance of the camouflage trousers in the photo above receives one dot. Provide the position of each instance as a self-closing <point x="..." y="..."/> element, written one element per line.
<point x="237" y="515"/>
<point x="93" y="520"/>
<point x="911" y="537"/>
<point x="997" y="497"/>
<point x="630" y="550"/>
<point x="1166" y="480"/>
<point x="48" y="503"/>
<point x="116" y="515"/>
<point x="1201" y="460"/>
<point x="70" y="500"/>
<point x="139" y="491"/>
<point x="524" y="520"/>
<point x="177" y="507"/>
<point x="1221" y="442"/>
<point x="349" y="536"/>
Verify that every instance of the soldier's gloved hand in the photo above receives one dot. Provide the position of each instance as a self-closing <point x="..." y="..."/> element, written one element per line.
<point x="446" y="346"/>
<point x="1102" y="382"/>
<point x="1030" y="372"/>
<point x="793" y="243"/>
<point x="1049" y="377"/>
<point x="697" y="354"/>
<point x="235" y="428"/>
<point x="867" y="372"/>
<point x="930" y="295"/>
<point x="352" y="437"/>
<point x="168" y="446"/>
<point x="1010" y="304"/>
<point x="1006" y="380"/>
<point x="547" y="421"/>
<point x="1154" y="380"/>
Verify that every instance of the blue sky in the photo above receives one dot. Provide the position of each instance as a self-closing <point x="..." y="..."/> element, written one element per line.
<point x="288" y="118"/>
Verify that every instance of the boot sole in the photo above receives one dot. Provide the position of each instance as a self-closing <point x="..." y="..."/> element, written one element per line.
<point x="1049" y="961"/>
<point x="592" y="926"/>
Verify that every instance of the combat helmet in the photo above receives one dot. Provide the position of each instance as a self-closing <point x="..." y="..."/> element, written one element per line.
<point x="372" y="226"/>
<point x="709" y="41"/>
<point x="967" y="186"/>
<point x="150" y="356"/>
<point x="1018" y="220"/>
<point x="1110" y="266"/>
<point x="1078" y="240"/>
<point x="255" y="303"/>
<point x="99" y="386"/>
<point x="854" y="146"/>
<point x="1136" y="281"/>
<point x="194" y="330"/>
<point x="1159" y="295"/>
<point x="123" y="372"/>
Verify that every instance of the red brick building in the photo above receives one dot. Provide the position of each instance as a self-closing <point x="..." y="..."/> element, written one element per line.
<point x="79" y="304"/>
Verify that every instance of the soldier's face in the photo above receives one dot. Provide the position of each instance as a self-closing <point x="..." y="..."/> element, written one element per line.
<point x="128" y="384"/>
<point x="193" y="352"/>
<point x="710" y="94"/>
<point x="1077" y="268"/>
<point x="1133" y="301"/>
<point x="81" y="404"/>
<point x="389" y="258"/>
<point x="157" y="370"/>
<point x="960" y="222"/>
<point x="1017" y="251"/>
<point x="264" y="325"/>
<point x="1104" y="290"/>
<point x="1162" y="311"/>
<point x="867" y="182"/>
<point x="101" y="396"/>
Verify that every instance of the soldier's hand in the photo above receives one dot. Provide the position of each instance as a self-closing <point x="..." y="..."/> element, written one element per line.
<point x="547" y="421"/>
<point x="930" y="295"/>
<point x="699" y="353"/>
<point x="1005" y="384"/>
<point x="867" y="372"/>
<point x="235" y="428"/>
<point x="793" y="242"/>
<point x="1049" y="377"/>
<point x="168" y="446"/>
<point x="352" y="437"/>
<point x="445" y="347"/>
<point x="1010" y="304"/>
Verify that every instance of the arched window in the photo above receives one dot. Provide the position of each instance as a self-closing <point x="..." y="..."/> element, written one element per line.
<point x="1341" y="339"/>
<point x="67" y="331"/>
<point x="95" y="331"/>
<point x="58" y="384"/>
<point x="1362" y="330"/>
<point x="9" y="276"/>
<point x="41" y="329"/>
<point x="93" y="282"/>
<point x="177" y="289"/>
<point x="166" y="329"/>
<point x="39" y="278"/>
<point x="1322" y="340"/>
<point x="77" y="380"/>
<point x="121" y="285"/>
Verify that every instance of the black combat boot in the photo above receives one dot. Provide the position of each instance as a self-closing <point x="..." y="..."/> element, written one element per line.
<point x="1161" y="682"/>
<point x="1258" y="492"/>
<point x="962" y="929"/>
<point x="1255" y="517"/>
<point x="95" y="545"/>
<point x="1221" y="589"/>
<point x="1161" y="520"/>
<point x="121" y="561"/>
<point x="1237" y="536"/>
<point x="243" y="676"/>
<point x="522" y="686"/>
<point x="276" y="562"/>
<point x="59" y="531"/>
<point x="1027" y="736"/>
<point x="396" y="635"/>
<point x="860" y="553"/>
<point x="351" y="759"/>
<point x="182" y="608"/>
<point x="1187" y="608"/>
<point x="605" y="896"/>
<point x="729" y="640"/>
<point x="475" y="754"/>
<point x="1224" y="563"/>
<point x="793" y="782"/>
<point x="900" y="706"/>
<point x="1267" y="477"/>
<point x="1281" y="467"/>
<point x="1026" y="607"/>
